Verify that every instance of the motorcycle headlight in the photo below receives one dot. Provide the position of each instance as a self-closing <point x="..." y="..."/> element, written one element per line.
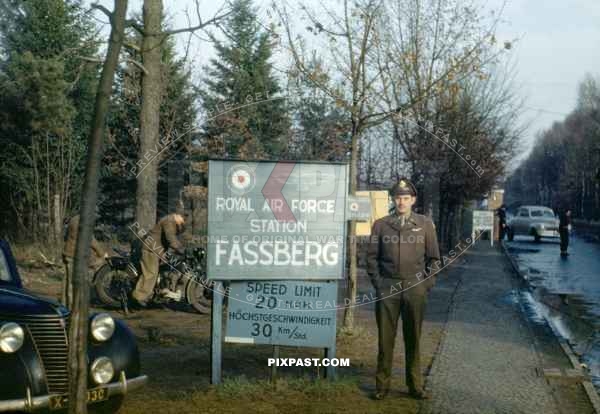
<point x="11" y="337"/>
<point x="103" y="327"/>
<point x="102" y="370"/>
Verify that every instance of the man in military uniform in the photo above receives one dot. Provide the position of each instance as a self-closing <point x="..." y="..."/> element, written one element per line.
<point x="68" y="257"/>
<point x="402" y="253"/>
<point x="501" y="213"/>
<point x="564" y="227"/>
<point x="154" y="248"/>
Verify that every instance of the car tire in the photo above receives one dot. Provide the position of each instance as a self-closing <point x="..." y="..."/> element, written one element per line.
<point x="536" y="237"/>
<point x="510" y="235"/>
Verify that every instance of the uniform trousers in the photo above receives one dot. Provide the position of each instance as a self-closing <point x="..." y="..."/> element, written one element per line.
<point x="410" y="305"/>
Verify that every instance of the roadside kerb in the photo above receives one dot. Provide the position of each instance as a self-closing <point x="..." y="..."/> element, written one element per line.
<point x="587" y="384"/>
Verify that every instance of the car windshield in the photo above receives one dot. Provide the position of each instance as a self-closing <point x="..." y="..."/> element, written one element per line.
<point x="542" y="213"/>
<point x="5" y="275"/>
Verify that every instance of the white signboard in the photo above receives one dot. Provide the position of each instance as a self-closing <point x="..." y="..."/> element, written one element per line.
<point x="282" y="312"/>
<point x="277" y="220"/>
<point x="483" y="220"/>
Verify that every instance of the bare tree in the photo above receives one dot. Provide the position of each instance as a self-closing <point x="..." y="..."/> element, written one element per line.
<point x="427" y="48"/>
<point x="391" y="59"/>
<point x="562" y="170"/>
<point x="153" y="38"/>
<point x="348" y="32"/>
<point x="147" y="179"/>
<point x="78" y="331"/>
<point x="437" y="58"/>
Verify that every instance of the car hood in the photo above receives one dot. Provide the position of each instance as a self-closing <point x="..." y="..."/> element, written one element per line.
<point x="19" y="302"/>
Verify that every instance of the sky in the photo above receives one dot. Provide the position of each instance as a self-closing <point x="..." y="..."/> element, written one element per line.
<point x="558" y="41"/>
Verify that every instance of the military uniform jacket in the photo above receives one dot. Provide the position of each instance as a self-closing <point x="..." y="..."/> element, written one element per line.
<point x="402" y="252"/>
<point x="163" y="234"/>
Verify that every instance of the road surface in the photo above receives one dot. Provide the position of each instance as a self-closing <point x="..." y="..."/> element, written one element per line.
<point x="567" y="290"/>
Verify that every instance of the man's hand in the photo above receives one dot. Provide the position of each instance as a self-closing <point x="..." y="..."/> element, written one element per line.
<point x="430" y="283"/>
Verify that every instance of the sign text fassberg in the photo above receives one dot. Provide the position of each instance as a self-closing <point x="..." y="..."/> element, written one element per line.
<point x="276" y="220"/>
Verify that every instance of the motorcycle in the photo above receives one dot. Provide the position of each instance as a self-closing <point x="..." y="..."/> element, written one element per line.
<point x="181" y="282"/>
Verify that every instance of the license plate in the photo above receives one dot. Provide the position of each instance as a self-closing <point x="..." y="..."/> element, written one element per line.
<point x="93" y="396"/>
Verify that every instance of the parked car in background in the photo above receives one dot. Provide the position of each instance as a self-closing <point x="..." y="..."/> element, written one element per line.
<point x="536" y="221"/>
<point x="34" y="351"/>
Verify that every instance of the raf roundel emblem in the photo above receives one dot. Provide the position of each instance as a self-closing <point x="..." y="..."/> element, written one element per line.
<point x="402" y="183"/>
<point x="240" y="179"/>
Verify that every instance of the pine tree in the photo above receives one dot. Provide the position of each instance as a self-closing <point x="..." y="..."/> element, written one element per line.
<point x="46" y="102"/>
<point x="245" y="118"/>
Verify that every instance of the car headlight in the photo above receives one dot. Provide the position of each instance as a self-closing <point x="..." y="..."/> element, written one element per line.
<point x="102" y="370"/>
<point x="11" y="337"/>
<point x="103" y="327"/>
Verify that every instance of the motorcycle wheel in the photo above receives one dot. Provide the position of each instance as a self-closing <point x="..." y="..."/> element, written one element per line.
<point x="109" y="284"/>
<point x="196" y="297"/>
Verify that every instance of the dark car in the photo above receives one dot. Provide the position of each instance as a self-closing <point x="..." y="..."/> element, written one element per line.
<point x="34" y="349"/>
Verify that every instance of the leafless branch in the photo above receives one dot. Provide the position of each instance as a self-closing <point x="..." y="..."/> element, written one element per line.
<point x="138" y="64"/>
<point x="103" y="9"/>
<point x="48" y="261"/>
<point x="132" y="46"/>
<point x="201" y="24"/>
<point x="91" y="59"/>
<point x="136" y="26"/>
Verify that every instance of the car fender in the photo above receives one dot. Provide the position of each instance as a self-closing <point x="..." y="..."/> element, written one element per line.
<point x="21" y="370"/>
<point x="121" y="348"/>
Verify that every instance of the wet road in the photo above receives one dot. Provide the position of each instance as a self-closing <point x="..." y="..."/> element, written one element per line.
<point x="566" y="290"/>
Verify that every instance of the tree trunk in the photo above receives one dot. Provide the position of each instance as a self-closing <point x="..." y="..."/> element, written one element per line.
<point x="58" y="240"/>
<point x="443" y="223"/>
<point x="352" y="279"/>
<point x="78" y="330"/>
<point x="456" y="223"/>
<point x="148" y="158"/>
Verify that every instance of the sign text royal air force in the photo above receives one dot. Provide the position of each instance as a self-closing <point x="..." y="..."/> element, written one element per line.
<point x="276" y="220"/>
